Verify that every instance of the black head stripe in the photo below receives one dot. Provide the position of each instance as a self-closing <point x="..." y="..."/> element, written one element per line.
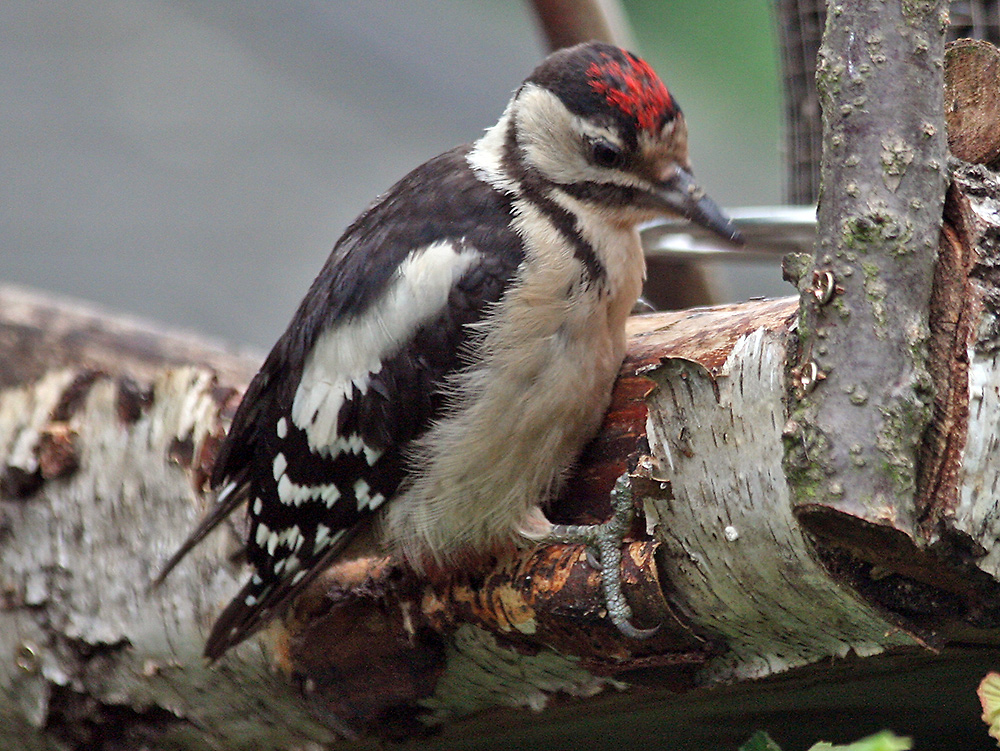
<point x="535" y="189"/>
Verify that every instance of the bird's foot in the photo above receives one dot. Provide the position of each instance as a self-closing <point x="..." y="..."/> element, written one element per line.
<point x="604" y="553"/>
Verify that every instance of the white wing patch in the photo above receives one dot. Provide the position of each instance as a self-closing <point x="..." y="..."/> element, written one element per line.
<point x="352" y="350"/>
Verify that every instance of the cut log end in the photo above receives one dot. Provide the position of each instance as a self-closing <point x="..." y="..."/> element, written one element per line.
<point x="972" y="100"/>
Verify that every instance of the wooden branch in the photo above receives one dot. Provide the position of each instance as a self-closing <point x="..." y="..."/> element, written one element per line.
<point x="720" y="563"/>
<point x="569" y="22"/>
<point x="864" y="396"/>
<point x="40" y="336"/>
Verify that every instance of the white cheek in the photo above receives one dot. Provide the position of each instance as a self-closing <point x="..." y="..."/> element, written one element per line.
<point x="555" y="141"/>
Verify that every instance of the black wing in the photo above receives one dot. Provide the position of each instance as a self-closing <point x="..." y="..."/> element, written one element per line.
<point x="305" y="505"/>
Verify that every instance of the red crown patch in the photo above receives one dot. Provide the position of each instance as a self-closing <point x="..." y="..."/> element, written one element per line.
<point x="634" y="88"/>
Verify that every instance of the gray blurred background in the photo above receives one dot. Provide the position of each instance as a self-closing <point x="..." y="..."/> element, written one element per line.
<point x="194" y="162"/>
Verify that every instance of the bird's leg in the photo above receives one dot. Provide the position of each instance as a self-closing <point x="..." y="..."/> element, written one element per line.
<point x="606" y="540"/>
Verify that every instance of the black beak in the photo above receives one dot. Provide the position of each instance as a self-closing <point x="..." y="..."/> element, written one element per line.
<point x="681" y="194"/>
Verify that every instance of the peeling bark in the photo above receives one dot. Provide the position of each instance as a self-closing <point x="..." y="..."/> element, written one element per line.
<point x="94" y="660"/>
<point x="89" y="655"/>
<point x="970" y="506"/>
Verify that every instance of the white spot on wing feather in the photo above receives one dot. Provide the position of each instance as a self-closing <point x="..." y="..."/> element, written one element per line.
<point x="293" y="494"/>
<point x="353" y="444"/>
<point x="330" y="495"/>
<point x="345" y="355"/>
<point x="362" y="491"/>
<point x="325" y="538"/>
<point x="262" y="533"/>
<point x="279" y="466"/>
<point x="286" y="490"/>
<point x="322" y="535"/>
<point x="226" y="491"/>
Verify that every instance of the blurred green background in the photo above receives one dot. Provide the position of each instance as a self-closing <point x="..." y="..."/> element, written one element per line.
<point x="193" y="162"/>
<point x="721" y="60"/>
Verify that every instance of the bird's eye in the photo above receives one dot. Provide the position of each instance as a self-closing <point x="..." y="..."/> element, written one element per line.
<point x="605" y="154"/>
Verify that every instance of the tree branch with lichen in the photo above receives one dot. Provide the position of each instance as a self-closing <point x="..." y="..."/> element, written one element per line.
<point x="864" y="395"/>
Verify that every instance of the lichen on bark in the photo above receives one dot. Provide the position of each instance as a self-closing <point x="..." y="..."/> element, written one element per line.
<point x="857" y="428"/>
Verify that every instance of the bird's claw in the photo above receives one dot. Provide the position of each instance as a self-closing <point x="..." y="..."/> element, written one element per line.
<point x="604" y="553"/>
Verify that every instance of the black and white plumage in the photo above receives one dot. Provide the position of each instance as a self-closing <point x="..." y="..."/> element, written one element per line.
<point x="420" y="389"/>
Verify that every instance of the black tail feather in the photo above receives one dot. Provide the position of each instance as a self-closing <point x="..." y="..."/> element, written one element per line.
<point x="228" y="500"/>
<point x="257" y="604"/>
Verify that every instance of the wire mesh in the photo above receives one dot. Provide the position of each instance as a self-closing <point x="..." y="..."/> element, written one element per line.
<point x="800" y="30"/>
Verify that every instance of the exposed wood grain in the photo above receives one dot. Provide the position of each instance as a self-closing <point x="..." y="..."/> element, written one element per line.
<point x="972" y="100"/>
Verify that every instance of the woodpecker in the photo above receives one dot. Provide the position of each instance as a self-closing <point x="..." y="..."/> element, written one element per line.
<point x="459" y="346"/>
